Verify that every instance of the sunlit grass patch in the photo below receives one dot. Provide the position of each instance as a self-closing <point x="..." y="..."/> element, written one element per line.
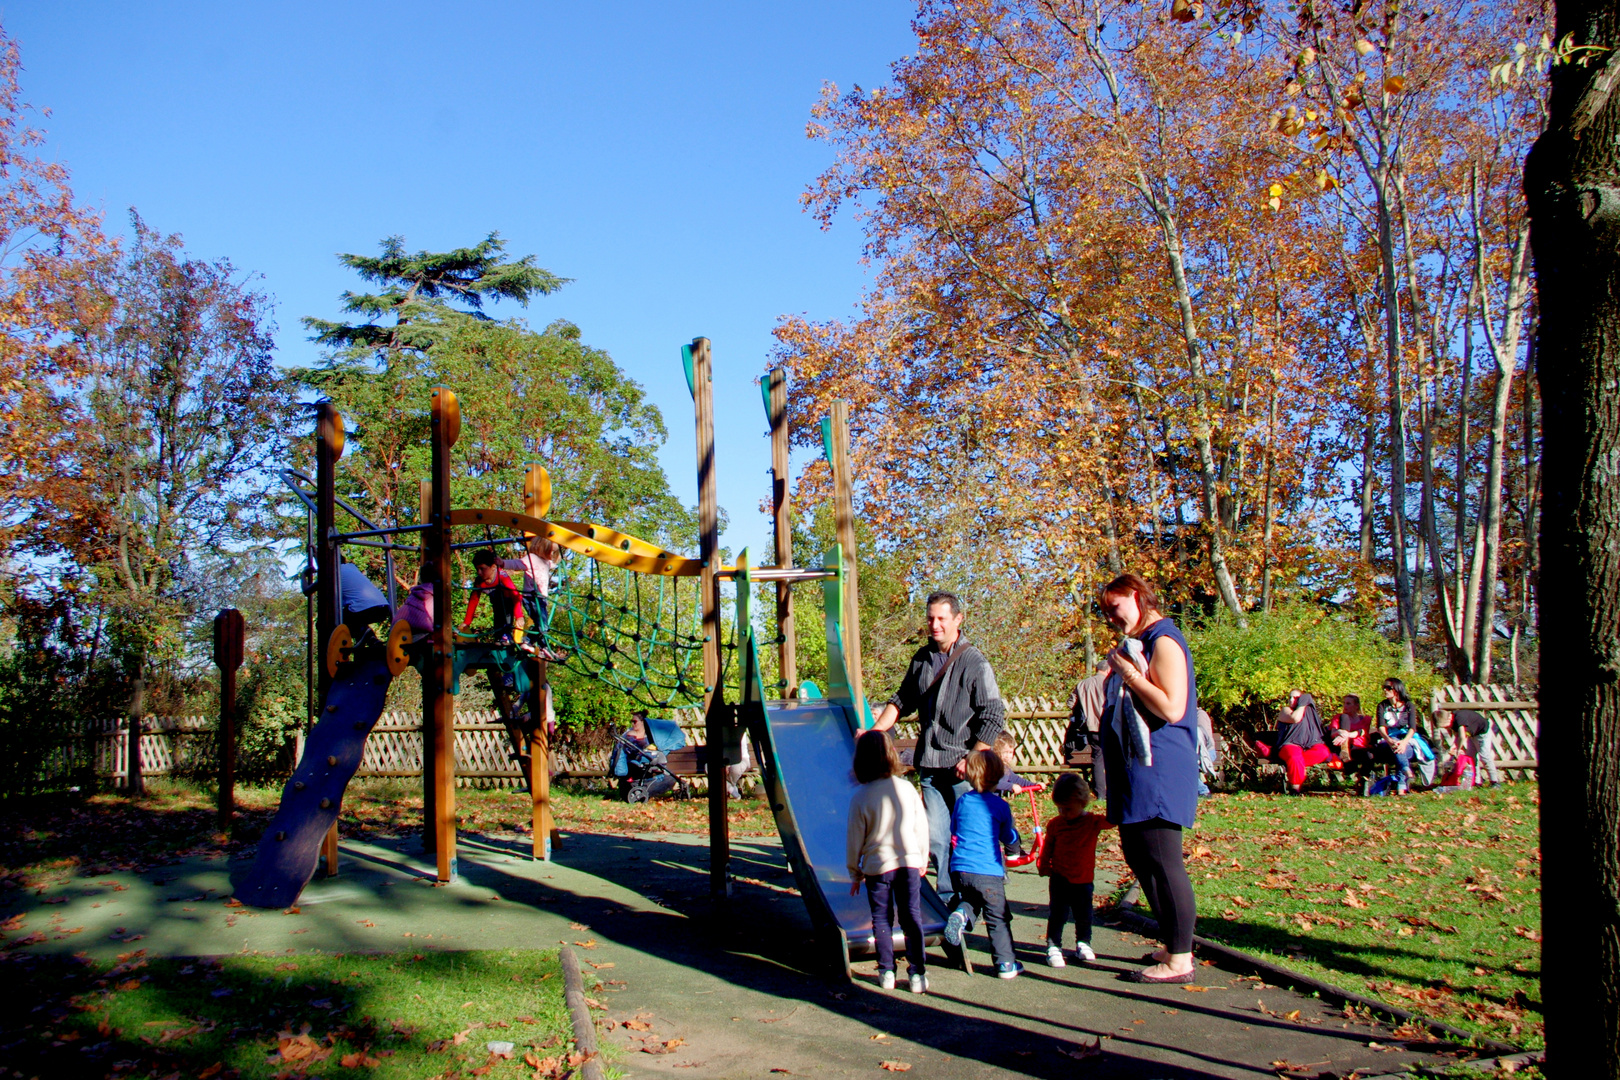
<point x="398" y="1015"/>
<point x="1429" y="902"/>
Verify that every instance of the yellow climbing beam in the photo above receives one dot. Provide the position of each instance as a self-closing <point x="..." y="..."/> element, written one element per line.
<point x="593" y="541"/>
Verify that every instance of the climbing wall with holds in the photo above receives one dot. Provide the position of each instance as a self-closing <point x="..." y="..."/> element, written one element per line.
<point x="310" y="802"/>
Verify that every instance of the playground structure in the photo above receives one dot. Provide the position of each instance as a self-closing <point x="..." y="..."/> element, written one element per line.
<point x="805" y="740"/>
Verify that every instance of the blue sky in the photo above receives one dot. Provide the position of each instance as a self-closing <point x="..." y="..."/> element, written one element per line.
<point x="655" y="153"/>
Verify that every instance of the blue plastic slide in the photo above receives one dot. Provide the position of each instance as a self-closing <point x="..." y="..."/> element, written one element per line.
<point x="309" y="804"/>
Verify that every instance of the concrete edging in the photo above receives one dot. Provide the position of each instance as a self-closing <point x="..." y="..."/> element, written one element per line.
<point x="1127" y="913"/>
<point x="579" y="1011"/>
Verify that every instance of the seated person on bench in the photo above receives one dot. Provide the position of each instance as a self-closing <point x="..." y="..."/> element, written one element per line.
<point x="504" y="596"/>
<point x="1298" y="741"/>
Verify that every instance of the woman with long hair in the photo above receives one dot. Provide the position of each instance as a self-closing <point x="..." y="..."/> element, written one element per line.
<point x="1150" y="753"/>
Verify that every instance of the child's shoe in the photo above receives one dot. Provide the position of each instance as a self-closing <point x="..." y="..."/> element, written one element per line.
<point x="1009" y="970"/>
<point x="1083" y="953"/>
<point x="955" y="923"/>
<point x="886" y="980"/>
<point x="919" y="983"/>
<point x="1054" y="955"/>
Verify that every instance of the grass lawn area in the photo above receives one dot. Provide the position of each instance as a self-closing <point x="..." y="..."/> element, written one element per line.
<point x="335" y="1016"/>
<point x="1429" y="902"/>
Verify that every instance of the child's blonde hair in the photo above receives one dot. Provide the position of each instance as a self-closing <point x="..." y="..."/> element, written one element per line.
<point x="983" y="769"/>
<point x="1005" y="744"/>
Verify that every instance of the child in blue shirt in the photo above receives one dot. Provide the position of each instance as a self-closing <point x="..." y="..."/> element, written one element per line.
<point x="981" y="824"/>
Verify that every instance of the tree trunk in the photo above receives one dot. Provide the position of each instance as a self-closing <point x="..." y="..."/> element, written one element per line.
<point x="1404" y="607"/>
<point x="1572" y="186"/>
<point x="1269" y="508"/>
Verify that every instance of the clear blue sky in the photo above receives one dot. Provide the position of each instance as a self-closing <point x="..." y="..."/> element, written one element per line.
<point x="653" y="152"/>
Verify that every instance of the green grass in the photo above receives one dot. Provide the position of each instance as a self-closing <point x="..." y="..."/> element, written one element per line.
<point x="1429" y="902"/>
<point x="335" y="1016"/>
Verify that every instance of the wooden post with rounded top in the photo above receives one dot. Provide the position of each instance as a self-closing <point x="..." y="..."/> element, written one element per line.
<point x="329" y="439"/>
<point x="440" y="677"/>
<point x="844" y="511"/>
<point x="714" y="698"/>
<point x="536" y="504"/>
<point x="228" y="634"/>
<point x="787" y="648"/>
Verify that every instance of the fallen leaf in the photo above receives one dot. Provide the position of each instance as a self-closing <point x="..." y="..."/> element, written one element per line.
<point x="637" y="1025"/>
<point x="211" y="1071"/>
<point x="895" y="1066"/>
<point x="1082" y="1051"/>
<point x="599" y="967"/>
<point x="586" y="944"/>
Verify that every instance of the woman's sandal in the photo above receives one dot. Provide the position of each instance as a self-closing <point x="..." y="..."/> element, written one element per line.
<point x="1144" y="977"/>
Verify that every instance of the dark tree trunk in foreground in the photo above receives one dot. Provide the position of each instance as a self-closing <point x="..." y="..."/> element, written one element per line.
<point x="1572" y="182"/>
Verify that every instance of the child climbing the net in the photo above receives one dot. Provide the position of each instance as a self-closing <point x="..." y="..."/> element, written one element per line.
<point x="504" y="596"/>
<point x="537" y="564"/>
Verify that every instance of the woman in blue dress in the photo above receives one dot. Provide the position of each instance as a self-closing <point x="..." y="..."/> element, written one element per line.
<point x="1150" y="752"/>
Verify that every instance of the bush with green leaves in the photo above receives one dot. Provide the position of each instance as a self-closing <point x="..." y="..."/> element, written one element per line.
<point x="1245" y="675"/>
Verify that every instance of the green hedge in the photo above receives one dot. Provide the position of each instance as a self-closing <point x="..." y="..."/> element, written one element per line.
<point x="1244" y="675"/>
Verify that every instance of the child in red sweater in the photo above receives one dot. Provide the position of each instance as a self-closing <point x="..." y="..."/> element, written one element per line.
<point x="1069" y="862"/>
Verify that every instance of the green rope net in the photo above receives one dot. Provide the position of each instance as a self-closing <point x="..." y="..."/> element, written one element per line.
<point x="638" y="633"/>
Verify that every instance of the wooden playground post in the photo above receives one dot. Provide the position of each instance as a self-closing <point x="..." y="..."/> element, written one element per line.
<point x="714" y="697"/>
<point x="446" y="426"/>
<point x="228" y="632"/>
<point x="329" y="601"/>
<point x="537" y="503"/>
<point x="787" y="650"/>
<point x="844" y="510"/>
<point x="425" y="516"/>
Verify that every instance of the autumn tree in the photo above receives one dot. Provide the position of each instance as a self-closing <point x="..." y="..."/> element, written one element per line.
<point x="48" y="248"/>
<point x="1571" y="178"/>
<point x="180" y="412"/>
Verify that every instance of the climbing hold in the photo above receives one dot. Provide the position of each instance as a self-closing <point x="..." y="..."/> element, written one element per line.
<point x="281" y="836"/>
<point x="331" y="759"/>
<point x="326" y="804"/>
<point x="298" y="785"/>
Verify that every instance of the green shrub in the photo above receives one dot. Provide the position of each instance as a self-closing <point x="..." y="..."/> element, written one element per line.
<point x="1245" y="675"/>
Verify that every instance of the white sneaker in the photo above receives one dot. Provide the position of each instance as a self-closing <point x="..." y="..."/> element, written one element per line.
<point x="1083" y="953"/>
<point x="886" y="980"/>
<point x="1054" y="956"/>
<point x="919" y="983"/>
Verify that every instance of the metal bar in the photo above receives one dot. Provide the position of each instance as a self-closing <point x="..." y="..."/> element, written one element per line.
<point x="381" y="545"/>
<point x="344" y="538"/>
<point x="786" y="574"/>
<point x="488" y="543"/>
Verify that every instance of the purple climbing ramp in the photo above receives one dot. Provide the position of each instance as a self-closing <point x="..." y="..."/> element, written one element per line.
<point x="309" y="804"/>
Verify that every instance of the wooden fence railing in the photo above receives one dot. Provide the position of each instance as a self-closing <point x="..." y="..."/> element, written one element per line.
<point x="483" y="751"/>
<point x="1513" y="713"/>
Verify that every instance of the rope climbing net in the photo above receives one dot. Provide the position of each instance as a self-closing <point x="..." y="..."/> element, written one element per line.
<point x="640" y="634"/>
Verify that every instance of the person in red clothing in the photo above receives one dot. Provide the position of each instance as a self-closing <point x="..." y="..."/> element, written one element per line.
<point x="1068" y="861"/>
<point x="504" y="597"/>
<point x="1299" y="741"/>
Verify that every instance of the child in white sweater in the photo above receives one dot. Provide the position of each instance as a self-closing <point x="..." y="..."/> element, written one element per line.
<point x="888" y="849"/>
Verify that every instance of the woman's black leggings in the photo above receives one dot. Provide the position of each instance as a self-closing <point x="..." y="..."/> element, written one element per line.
<point x="1153" y="852"/>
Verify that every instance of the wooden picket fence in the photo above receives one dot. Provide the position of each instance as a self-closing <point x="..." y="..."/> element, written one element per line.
<point x="1514" y="716"/>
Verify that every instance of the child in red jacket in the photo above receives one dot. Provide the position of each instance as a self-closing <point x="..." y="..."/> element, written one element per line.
<point x="1069" y="863"/>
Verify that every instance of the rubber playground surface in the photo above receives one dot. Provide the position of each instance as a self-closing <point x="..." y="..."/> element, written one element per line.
<point x="738" y="991"/>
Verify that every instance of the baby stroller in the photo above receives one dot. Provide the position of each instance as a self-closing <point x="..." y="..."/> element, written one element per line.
<point x="643" y="772"/>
